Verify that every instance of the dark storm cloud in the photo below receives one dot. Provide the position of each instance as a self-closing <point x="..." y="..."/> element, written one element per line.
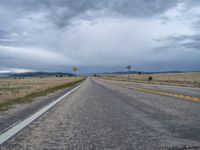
<point x="185" y="41"/>
<point x="50" y="34"/>
<point x="61" y="12"/>
<point x="190" y="12"/>
<point x="192" y="45"/>
<point x="3" y="34"/>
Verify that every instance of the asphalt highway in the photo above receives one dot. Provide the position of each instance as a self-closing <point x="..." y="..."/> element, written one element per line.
<point x="102" y="114"/>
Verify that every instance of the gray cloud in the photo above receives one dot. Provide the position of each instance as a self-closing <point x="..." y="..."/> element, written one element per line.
<point x="53" y="34"/>
<point x="61" y="12"/>
<point x="191" y="42"/>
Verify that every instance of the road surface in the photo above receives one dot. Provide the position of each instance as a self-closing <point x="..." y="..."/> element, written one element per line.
<point x="103" y="115"/>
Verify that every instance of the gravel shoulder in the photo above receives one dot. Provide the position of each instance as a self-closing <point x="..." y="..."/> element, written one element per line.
<point x="23" y="110"/>
<point x="190" y="91"/>
<point x="104" y="116"/>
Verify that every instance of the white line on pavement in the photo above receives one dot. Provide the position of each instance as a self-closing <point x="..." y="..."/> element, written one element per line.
<point x="14" y="130"/>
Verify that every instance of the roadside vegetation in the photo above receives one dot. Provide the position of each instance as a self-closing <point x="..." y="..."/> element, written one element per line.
<point x="177" y="79"/>
<point x="15" y="90"/>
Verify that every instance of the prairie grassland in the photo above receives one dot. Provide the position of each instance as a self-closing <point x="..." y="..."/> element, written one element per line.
<point x="11" y="89"/>
<point x="180" y="79"/>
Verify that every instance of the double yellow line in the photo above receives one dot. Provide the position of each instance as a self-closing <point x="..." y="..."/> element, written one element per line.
<point x="180" y="96"/>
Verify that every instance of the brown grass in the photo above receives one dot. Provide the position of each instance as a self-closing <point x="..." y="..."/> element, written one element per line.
<point x="180" y="79"/>
<point x="11" y="88"/>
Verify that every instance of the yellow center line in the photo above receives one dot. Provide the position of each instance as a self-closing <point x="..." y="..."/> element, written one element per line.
<point x="180" y="96"/>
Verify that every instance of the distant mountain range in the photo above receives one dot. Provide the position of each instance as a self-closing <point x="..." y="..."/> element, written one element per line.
<point x="142" y="72"/>
<point x="35" y="74"/>
<point x="6" y="74"/>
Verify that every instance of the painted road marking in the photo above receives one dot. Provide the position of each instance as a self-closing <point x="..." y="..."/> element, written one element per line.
<point x="14" y="130"/>
<point x="180" y="96"/>
<point x="147" y="83"/>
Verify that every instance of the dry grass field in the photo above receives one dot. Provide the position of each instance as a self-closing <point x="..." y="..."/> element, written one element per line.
<point x="11" y="89"/>
<point x="180" y="79"/>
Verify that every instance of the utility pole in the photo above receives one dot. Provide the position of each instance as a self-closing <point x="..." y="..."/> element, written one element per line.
<point x="129" y="68"/>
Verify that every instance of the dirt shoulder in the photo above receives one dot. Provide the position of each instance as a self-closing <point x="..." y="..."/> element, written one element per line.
<point x="175" y="79"/>
<point x="22" y="110"/>
<point x="29" y="97"/>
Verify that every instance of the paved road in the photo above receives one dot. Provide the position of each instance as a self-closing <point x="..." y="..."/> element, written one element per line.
<point x="23" y="111"/>
<point x="100" y="115"/>
<point x="189" y="91"/>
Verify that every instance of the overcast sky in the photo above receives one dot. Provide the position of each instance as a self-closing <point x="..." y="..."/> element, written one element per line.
<point x="99" y="35"/>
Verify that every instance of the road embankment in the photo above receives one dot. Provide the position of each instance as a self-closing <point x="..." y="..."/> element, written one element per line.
<point x="20" y="111"/>
<point x="31" y="96"/>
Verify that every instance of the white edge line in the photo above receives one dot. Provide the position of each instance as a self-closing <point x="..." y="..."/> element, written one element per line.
<point x="14" y="130"/>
